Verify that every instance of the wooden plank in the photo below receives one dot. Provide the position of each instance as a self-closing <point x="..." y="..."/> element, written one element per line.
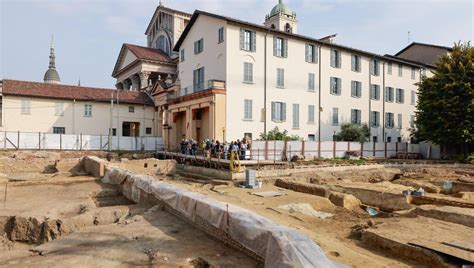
<point x="464" y="245"/>
<point x="445" y="249"/>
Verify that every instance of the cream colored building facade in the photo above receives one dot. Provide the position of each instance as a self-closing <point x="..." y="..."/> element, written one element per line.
<point x="37" y="107"/>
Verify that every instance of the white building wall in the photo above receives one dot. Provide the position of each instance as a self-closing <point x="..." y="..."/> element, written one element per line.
<point x="296" y="84"/>
<point x="43" y="118"/>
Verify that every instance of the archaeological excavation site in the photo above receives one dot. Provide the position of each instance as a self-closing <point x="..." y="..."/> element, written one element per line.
<point x="99" y="209"/>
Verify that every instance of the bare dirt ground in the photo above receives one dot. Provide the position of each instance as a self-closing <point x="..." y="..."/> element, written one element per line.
<point x="100" y="228"/>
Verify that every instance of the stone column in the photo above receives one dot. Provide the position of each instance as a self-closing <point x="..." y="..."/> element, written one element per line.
<point x="189" y="121"/>
<point x="212" y="123"/>
<point x="144" y="76"/>
<point x="135" y="82"/>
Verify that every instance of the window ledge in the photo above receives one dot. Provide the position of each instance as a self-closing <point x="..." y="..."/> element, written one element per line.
<point x="248" y="120"/>
<point x="311" y="123"/>
<point x="334" y="94"/>
<point x="311" y="90"/>
<point x="336" y="125"/>
<point x="357" y="97"/>
<point x="295" y="128"/>
<point x="282" y="87"/>
<point x="248" y="83"/>
<point x="278" y="121"/>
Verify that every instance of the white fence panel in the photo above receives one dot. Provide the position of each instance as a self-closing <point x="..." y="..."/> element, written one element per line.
<point x="28" y="140"/>
<point x="327" y="149"/>
<point x="50" y="141"/>
<point x="341" y="149"/>
<point x="311" y="149"/>
<point x="258" y="150"/>
<point x="10" y="140"/>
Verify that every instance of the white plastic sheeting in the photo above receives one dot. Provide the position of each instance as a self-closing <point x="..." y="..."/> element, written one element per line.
<point x="279" y="245"/>
<point x="47" y="141"/>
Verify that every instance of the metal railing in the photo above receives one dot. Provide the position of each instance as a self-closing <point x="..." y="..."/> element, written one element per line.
<point x="210" y="84"/>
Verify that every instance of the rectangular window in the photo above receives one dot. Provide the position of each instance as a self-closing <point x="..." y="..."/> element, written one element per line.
<point x="374" y="92"/>
<point x="335" y="58"/>
<point x="87" y="110"/>
<point x="374" y="119"/>
<point x="114" y="132"/>
<point x="280" y="47"/>
<point x="389" y="94"/>
<point x="182" y="55"/>
<point x="355" y="116"/>
<point x="399" y="121"/>
<point x="296" y="116"/>
<point x="412" y="121"/>
<point x="389" y="68"/>
<point x="198" y="46"/>
<point x="280" y="77"/>
<point x="335" y="116"/>
<point x="59" y="130"/>
<point x="355" y="63"/>
<point x="148" y="131"/>
<point x="375" y="139"/>
<point x="248" y="40"/>
<point x="311" y="84"/>
<point x="247" y="109"/>
<point x="413" y="98"/>
<point x="389" y="123"/>
<point x="25" y="107"/>
<point x="413" y="72"/>
<point x="278" y="111"/>
<point x="220" y="35"/>
<point x="59" y="111"/>
<point x="356" y="89"/>
<point x="248" y="135"/>
<point x="335" y="86"/>
<point x="400" y="70"/>
<point x="389" y="139"/>
<point x="400" y="98"/>
<point x="375" y="67"/>
<point x="198" y="79"/>
<point x="248" y="72"/>
<point x="131" y="109"/>
<point x="311" y="137"/>
<point x="311" y="53"/>
<point x="310" y="114"/>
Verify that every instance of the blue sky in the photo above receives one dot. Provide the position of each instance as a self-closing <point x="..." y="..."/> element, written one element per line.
<point x="89" y="33"/>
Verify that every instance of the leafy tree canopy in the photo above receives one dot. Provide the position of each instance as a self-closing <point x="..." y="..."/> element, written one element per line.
<point x="445" y="101"/>
<point x="353" y="132"/>
<point x="277" y="135"/>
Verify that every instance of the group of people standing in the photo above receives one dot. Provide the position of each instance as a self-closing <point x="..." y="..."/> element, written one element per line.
<point x="214" y="148"/>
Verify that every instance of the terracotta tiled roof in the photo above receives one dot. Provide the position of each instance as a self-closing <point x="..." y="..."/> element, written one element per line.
<point x="66" y="92"/>
<point x="146" y="53"/>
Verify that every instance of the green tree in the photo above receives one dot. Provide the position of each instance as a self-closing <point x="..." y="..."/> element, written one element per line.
<point x="277" y="135"/>
<point x="445" y="100"/>
<point x="353" y="132"/>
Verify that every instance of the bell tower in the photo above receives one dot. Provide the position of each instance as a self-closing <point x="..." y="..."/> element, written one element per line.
<point x="282" y="18"/>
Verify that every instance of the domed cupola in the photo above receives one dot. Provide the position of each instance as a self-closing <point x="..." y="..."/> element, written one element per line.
<point x="282" y="18"/>
<point x="52" y="76"/>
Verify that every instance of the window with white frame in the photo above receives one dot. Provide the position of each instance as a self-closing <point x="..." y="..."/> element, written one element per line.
<point x="335" y="116"/>
<point x="400" y="70"/>
<point x="59" y="109"/>
<point x="248" y="109"/>
<point x="131" y="109"/>
<point x="374" y="119"/>
<point x="296" y="115"/>
<point x="335" y="58"/>
<point x="356" y="89"/>
<point x="310" y="114"/>
<point x="413" y="72"/>
<point x="280" y="47"/>
<point x="389" y="68"/>
<point x="248" y="72"/>
<point x="87" y="110"/>
<point x="374" y="92"/>
<point x="400" y="95"/>
<point x="375" y="67"/>
<point x="280" y="77"/>
<point x="248" y="40"/>
<point x="199" y="46"/>
<point x="389" y="94"/>
<point x="355" y="63"/>
<point x="389" y="120"/>
<point x="278" y="111"/>
<point x="311" y="53"/>
<point x="335" y="85"/>
<point x="413" y="98"/>
<point x="356" y="116"/>
<point x="400" y="121"/>
<point x="220" y="35"/>
<point x="311" y="83"/>
<point x="25" y="107"/>
<point x="59" y="130"/>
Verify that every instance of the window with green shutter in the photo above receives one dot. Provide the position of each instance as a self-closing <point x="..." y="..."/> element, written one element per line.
<point x="248" y="109"/>
<point x="311" y="83"/>
<point x="280" y="77"/>
<point x="296" y="116"/>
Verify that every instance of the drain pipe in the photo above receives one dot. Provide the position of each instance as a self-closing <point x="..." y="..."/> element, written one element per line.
<point x="319" y="98"/>
<point x="265" y="85"/>
<point x="383" y="105"/>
